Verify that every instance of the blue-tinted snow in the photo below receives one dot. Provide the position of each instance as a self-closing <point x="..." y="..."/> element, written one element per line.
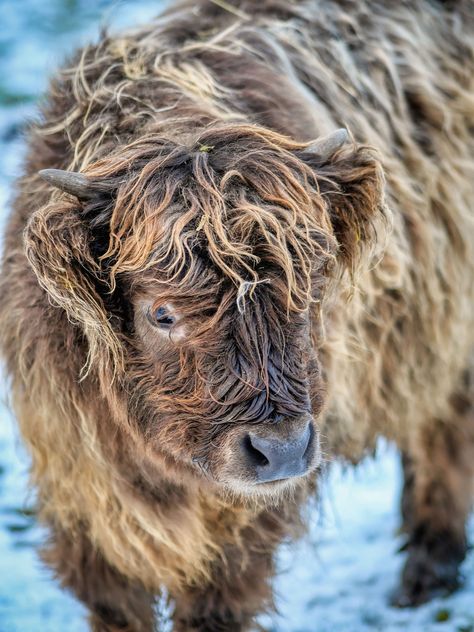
<point x="338" y="578"/>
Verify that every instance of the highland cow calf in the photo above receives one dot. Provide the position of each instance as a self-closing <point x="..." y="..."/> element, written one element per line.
<point x="199" y="299"/>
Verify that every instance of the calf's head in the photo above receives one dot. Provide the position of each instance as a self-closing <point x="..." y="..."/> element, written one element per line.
<point x="197" y="272"/>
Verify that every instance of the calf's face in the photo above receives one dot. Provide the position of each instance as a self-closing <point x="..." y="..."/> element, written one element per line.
<point x="233" y="389"/>
<point x="198" y="273"/>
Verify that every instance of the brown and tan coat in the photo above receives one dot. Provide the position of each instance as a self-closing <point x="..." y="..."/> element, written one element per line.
<point x="215" y="280"/>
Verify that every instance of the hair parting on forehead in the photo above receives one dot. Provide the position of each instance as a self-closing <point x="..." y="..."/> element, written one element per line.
<point x="247" y="199"/>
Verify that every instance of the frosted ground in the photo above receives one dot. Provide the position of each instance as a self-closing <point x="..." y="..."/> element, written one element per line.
<point x="339" y="577"/>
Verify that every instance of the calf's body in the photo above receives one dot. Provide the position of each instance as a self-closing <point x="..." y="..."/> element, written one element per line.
<point x="133" y="440"/>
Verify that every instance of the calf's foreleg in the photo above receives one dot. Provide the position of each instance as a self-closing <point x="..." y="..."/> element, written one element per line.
<point x="240" y="583"/>
<point x="116" y="604"/>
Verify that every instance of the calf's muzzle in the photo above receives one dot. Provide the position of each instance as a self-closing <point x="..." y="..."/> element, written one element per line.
<point x="274" y="456"/>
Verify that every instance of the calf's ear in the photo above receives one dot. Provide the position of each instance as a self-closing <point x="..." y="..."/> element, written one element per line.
<point x="350" y="180"/>
<point x="57" y="243"/>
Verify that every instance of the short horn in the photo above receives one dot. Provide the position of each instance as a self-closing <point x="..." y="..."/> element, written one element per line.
<point x="70" y="182"/>
<point x="326" y="146"/>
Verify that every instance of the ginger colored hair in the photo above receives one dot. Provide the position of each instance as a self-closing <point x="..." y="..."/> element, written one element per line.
<point x="260" y="207"/>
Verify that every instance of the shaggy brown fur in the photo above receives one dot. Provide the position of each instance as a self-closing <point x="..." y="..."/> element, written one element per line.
<point x="298" y="294"/>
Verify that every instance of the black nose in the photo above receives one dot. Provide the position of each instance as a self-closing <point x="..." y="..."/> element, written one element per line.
<point x="276" y="458"/>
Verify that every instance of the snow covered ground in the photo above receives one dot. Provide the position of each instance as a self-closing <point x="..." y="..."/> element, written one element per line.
<point x="338" y="578"/>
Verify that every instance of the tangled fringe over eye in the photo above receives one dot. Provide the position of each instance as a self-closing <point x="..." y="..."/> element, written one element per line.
<point x="254" y="208"/>
<point x="249" y="204"/>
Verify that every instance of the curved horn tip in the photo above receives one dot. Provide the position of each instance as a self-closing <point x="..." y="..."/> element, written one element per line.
<point x="68" y="181"/>
<point x="342" y="135"/>
<point x="330" y="143"/>
<point x="53" y="174"/>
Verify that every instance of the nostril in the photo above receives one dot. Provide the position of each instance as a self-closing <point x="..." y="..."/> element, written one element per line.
<point x="256" y="456"/>
<point x="309" y="447"/>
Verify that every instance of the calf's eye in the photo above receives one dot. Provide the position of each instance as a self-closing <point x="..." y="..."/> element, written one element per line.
<point x="161" y="317"/>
